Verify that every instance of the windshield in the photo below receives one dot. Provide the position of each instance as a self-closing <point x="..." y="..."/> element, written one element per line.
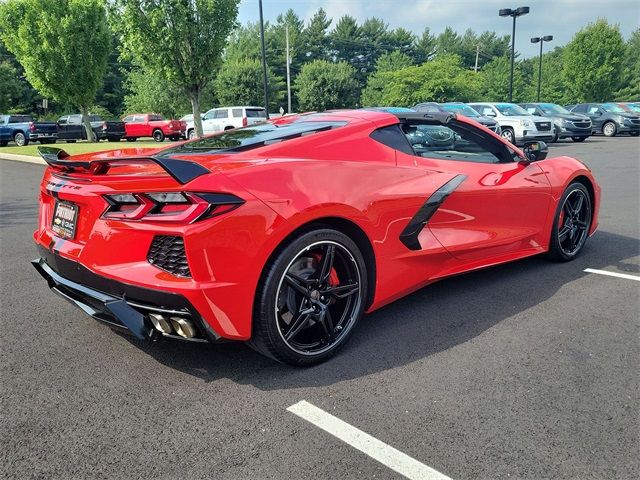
<point x="255" y="136"/>
<point x="612" y="107"/>
<point x="510" y="109"/>
<point x="553" y="108"/>
<point x="462" y="109"/>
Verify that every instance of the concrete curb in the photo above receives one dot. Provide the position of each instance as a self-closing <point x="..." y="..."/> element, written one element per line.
<point x="22" y="158"/>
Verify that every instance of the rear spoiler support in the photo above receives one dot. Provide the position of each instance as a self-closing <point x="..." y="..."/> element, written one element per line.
<point x="183" y="171"/>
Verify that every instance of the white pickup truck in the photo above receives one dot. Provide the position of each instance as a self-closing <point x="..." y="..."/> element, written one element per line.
<point x="226" y="118"/>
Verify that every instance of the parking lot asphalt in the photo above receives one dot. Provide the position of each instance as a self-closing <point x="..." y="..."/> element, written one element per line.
<point x="526" y="370"/>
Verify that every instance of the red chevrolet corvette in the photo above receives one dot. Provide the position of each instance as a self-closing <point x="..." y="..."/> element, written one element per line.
<point x="283" y="234"/>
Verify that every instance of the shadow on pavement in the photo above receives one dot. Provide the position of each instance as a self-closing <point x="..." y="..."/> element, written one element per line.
<point x="428" y="321"/>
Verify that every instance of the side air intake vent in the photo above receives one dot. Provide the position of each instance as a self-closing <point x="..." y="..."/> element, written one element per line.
<point x="167" y="253"/>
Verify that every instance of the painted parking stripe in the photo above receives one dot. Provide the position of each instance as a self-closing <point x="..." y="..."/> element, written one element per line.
<point x="613" y="274"/>
<point x="380" y="451"/>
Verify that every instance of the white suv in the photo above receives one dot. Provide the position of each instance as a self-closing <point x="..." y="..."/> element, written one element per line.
<point x="518" y="126"/>
<point x="226" y="118"/>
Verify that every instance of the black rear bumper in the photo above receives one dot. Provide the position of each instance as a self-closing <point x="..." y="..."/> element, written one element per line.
<point x="117" y="304"/>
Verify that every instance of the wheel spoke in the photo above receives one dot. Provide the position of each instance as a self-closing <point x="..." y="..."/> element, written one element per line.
<point x="343" y="291"/>
<point x="298" y="323"/>
<point x="298" y="284"/>
<point x="327" y="263"/>
<point x="328" y="320"/>
<point x="562" y="234"/>
<point x="581" y="224"/>
<point x="578" y="206"/>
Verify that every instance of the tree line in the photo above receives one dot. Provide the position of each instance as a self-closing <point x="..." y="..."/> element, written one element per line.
<point x="176" y="56"/>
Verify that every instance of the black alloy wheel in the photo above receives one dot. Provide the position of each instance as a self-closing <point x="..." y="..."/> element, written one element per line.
<point x="572" y="223"/>
<point x="313" y="296"/>
<point x="158" y="135"/>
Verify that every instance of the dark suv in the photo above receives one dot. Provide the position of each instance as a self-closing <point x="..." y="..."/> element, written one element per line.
<point x="565" y="123"/>
<point x="462" y="109"/>
<point x="609" y="118"/>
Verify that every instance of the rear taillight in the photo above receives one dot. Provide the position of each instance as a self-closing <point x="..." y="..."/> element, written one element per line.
<point x="176" y="207"/>
<point x="32" y="127"/>
<point x="245" y="122"/>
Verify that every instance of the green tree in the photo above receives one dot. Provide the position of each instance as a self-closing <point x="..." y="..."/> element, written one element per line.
<point x="426" y="46"/>
<point x="442" y="79"/>
<point x="239" y="82"/>
<point x="62" y="45"/>
<point x="630" y="88"/>
<point x="181" y="41"/>
<point x="376" y="83"/>
<point x="11" y="88"/>
<point x="495" y="81"/>
<point x="322" y="85"/>
<point x="593" y="62"/>
<point x="316" y="37"/>
<point x="147" y="92"/>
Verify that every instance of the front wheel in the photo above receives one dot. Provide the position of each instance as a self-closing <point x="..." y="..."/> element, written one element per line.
<point x="311" y="297"/>
<point x="158" y="136"/>
<point x="571" y="224"/>
<point x="191" y="135"/>
<point x="609" y="129"/>
<point x="508" y="135"/>
<point x="578" y="139"/>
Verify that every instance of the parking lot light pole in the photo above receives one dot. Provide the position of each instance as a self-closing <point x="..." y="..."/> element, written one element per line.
<point x="541" y="40"/>
<point x="515" y="13"/>
<point x="264" y="63"/>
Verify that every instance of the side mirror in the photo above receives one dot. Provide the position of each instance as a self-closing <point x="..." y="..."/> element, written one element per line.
<point x="490" y="113"/>
<point x="534" y="151"/>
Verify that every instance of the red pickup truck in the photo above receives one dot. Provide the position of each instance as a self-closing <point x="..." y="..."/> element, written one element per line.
<point x="152" y="125"/>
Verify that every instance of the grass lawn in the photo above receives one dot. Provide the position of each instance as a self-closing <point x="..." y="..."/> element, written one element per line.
<point x="81" y="147"/>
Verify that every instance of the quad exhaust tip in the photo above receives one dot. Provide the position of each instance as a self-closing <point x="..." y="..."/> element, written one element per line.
<point x="167" y="325"/>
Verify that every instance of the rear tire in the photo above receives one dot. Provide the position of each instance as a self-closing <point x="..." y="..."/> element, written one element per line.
<point x="310" y="297"/>
<point x="579" y="139"/>
<point x="158" y="135"/>
<point x="4" y="143"/>
<point x="609" y="129"/>
<point x="571" y="223"/>
<point x="191" y="134"/>
<point x="20" y="139"/>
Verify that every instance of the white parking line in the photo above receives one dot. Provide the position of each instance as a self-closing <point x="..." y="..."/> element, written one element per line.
<point x="613" y="274"/>
<point x="380" y="451"/>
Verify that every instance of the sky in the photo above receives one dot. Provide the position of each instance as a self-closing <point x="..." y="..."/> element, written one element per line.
<point x="560" y="18"/>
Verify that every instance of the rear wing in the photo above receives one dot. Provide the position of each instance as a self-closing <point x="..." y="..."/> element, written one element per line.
<point x="183" y="171"/>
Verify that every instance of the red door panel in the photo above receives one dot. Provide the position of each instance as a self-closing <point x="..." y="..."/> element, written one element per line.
<point x="499" y="209"/>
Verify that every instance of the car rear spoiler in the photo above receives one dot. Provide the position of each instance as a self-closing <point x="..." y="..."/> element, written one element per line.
<point x="183" y="171"/>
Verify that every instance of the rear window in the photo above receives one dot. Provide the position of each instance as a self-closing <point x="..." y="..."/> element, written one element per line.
<point x="94" y="118"/>
<point x="256" y="113"/>
<point x="20" y="119"/>
<point x="236" y="112"/>
<point x="155" y="118"/>
<point x="248" y="138"/>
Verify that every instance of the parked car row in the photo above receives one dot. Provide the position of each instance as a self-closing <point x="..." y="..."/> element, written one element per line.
<point x="22" y="129"/>
<point x="548" y="122"/>
<point x="225" y="118"/>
